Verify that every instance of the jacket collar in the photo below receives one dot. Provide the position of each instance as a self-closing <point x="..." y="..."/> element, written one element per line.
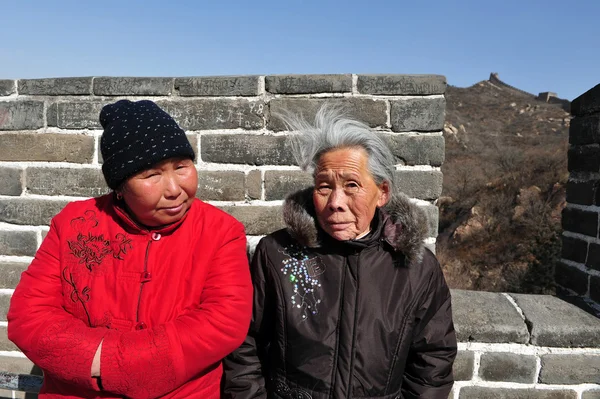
<point x="403" y="225"/>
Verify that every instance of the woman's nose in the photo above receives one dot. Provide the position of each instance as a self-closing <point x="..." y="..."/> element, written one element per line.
<point x="172" y="188"/>
<point x="337" y="200"/>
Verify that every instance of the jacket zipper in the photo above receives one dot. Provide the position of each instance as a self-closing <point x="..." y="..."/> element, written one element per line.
<point x="137" y="312"/>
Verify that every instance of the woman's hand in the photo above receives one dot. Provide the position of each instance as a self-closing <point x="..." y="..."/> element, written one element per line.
<point x="96" y="361"/>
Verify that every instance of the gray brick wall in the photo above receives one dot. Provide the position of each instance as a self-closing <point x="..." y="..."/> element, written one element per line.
<point x="579" y="271"/>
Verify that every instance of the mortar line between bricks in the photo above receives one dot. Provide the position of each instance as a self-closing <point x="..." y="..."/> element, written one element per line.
<point x="583" y="237"/>
<point x="476" y="366"/>
<point x="6" y="291"/>
<point x="13" y="354"/>
<point x="583" y="268"/>
<point x="355" y="84"/>
<point x="16" y="259"/>
<point x="527" y="322"/>
<point x="578" y="388"/>
<point x="592" y="208"/>
<point x="538" y="369"/>
<point x="524" y="349"/>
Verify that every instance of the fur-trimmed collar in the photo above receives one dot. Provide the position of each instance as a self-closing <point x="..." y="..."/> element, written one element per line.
<point x="404" y="224"/>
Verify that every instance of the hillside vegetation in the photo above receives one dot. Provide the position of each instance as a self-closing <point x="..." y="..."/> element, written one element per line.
<point x="504" y="189"/>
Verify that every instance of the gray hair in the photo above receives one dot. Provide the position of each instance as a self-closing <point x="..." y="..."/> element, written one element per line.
<point x="332" y="129"/>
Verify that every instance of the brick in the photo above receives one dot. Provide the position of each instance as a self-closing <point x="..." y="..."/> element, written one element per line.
<point x="246" y="149"/>
<point x="21" y="115"/>
<point x="258" y="220"/>
<point x="7" y="87"/>
<point x="221" y="185"/>
<point x="421" y="184"/>
<point x="4" y="305"/>
<point x="308" y="84"/>
<point x="204" y="114"/>
<point x="583" y="193"/>
<point x="587" y="103"/>
<point x="55" y="86"/>
<point x="85" y="182"/>
<point x="17" y="365"/>
<point x="416" y="149"/>
<point x="10" y="274"/>
<point x="593" y="257"/>
<point x="217" y="86"/>
<point x="570" y="369"/>
<point x="128" y="86"/>
<point x="12" y="394"/>
<point x="254" y="184"/>
<point x="595" y="288"/>
<point x="556" y="323"/>
<point x="571" y="277"/>
<point x="418" y="114"/>
<point x="18" y="243"/>
<point x="574" y="249"/>
<point x="585" y="130"/>
<point x="401" y="85"/>
<point x="462" y="369"/>
<point x="486" y="317"/>
<point x="11" y="179"/>
<point x="46" y="147"/>
<point x="584" y="158"/>
<point x="5" y="344"/>
<point x="473" y="392"/>
<point x="279" y="184"/>
<point x="508" y="367"/>
<point x="81" y="114"/>
<point x="580" y="221"/>
<point x="591" y="394"/>
<point x="29" y="211"/>
<point x="432" y="213"/>
<point x="369" y="111"/>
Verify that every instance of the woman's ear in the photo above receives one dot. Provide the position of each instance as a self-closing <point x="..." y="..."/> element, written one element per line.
<point x="384" y="194"/>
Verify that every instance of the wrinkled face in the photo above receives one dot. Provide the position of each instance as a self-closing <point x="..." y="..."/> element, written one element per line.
<point x="345" y="194"/>
<point x="162" y="194"/>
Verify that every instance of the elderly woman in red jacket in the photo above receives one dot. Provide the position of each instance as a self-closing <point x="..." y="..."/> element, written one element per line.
<point x="142" y="292"/>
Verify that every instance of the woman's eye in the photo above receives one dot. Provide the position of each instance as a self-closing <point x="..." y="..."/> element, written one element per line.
<point x="352" y="185"/>
<point x="323" y="189"/>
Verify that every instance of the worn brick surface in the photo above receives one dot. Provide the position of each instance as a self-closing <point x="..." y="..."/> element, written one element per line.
<point x="254" y="184"/>
<point x="18" y="243"/>
<point x="584" y="158"/>
<point x="17" y="365"/>
<point x="278" y="184"/>
<point x="11" y="180"/>
<point x="574" y="249"/>
<point x="571" y="277"/>
<point x="512" y="393"/>
<point x="369" y="111"/>
<point x="218" y="113"/>
<point x="29" y="211"/>
<point x="580" y="221"/>
<point x="585" y="130"/>
<point x="556" y="323"/>
<point x="432" y="213"/>
<point x="246" y="149"/>
<point x="416" y="149"/>
<point x="595" y="288"/>
<point x="258" y="220"/>
<point x="4" y="305"/>
<point x="10" y="274"/>
<point x="570" y="369"/>
<point x="587" y="103"/>
<point x="221" y="185"/>
<point x="130" y="86"/>
<point x="46" y="147"/>
<point x="508" y="367"/>
<point x="591" y="394"/>
<point x="12" y="394"/>
<point x="421" y="184"/>
<point x="21" y="115"/>
<point x="7" y="87"/>
<point x="85" y="182"/>
<point x="487" y="317"/>
<point x="402" y="85"/>
<point x="462" y="369"/>
<point x="418" y="114"/>
<point x="583" y="193"/>
<point x="55" y="86"/>
<point x="80" y="114"/>
<point x="593" y="258"/>
<point x="217" y="86"/>
<point x="306" y="84"/>
<point x="5" y="344"/>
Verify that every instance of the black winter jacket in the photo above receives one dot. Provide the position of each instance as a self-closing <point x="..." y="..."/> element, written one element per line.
<point x="368" y="318"/>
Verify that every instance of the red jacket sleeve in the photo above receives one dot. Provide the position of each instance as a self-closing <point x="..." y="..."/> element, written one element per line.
<point x="56" y="341"/>
<point x="136" y="363"/>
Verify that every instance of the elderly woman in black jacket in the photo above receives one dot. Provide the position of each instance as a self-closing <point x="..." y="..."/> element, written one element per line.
<point x="348" y="303"/>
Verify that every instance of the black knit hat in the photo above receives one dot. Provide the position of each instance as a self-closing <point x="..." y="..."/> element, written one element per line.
<point x="136" y="136"/>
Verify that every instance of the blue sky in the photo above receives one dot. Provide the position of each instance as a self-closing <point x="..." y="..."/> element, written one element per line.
<point x="533" y="44"/>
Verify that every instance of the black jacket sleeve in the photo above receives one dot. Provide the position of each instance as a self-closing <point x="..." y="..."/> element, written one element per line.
<point x="244" y="370"/>
<point x="428" y="372"/>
